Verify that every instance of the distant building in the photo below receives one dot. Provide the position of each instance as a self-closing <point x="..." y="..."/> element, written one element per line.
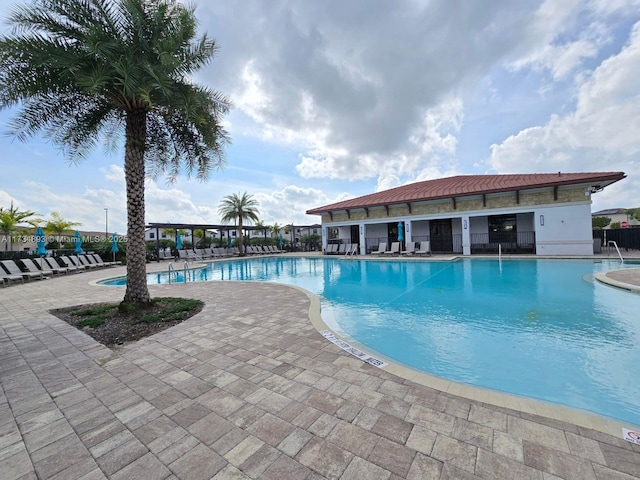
<point x="617" y="215"/>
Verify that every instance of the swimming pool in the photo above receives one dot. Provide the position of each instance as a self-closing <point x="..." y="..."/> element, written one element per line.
<point x="536" y="328"/>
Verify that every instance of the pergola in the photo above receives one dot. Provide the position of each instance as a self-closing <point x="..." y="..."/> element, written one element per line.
<point x="221" y="228"/>
<point x="200" y="226"/>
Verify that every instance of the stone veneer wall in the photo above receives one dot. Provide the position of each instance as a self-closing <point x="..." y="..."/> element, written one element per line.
<point x="464" y="204"/>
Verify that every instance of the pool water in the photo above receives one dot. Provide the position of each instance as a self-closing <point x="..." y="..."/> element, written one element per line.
<point x="536" y="328"/>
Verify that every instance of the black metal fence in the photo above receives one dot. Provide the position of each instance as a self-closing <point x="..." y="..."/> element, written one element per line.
<point x="520" y="242"/>
<point x="625" y="238"/>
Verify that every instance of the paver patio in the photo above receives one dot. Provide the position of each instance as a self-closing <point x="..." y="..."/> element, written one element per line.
<point x="249" y="389"/>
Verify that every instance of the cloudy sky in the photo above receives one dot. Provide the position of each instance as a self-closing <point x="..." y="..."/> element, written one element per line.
<point x="339" y="99"/>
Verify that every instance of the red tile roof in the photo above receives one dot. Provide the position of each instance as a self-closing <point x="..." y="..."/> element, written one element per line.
<point x="467" y="185"/>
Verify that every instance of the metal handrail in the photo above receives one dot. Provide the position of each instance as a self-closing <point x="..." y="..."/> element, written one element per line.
<point x="186" y="270"/>
<point x="171" y="269"/>
<point x="610" y="242"/>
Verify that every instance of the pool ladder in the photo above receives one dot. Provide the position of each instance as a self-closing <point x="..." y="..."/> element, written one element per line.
<point x="612" y="242"/>
<point x="173" y="270"/>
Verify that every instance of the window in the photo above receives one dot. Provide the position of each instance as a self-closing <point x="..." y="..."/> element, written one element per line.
<point x="502" y="223"/>
<point x="152" y="235"/>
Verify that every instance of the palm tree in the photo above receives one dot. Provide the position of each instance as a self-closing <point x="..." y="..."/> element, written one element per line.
<point x="86" y="71"/>
<point x="275" y="229"/>
<point x="10" y="218"/>
<point x="59" y="226"/>
<point x="236" y="208"/>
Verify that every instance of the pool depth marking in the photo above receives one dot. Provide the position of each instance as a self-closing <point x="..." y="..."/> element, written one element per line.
<point x="353" y="350"/>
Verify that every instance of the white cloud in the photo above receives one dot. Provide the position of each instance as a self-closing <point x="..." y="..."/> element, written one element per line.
<point x="362" y="89"/>
<point x="601" y="134"/>
<point x="289" y="204"/>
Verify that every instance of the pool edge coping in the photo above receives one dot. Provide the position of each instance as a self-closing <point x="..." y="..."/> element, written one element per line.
<point x="492" y="397"/>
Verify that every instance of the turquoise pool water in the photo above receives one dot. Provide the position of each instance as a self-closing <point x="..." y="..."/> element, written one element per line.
<point x="536" y="328"/>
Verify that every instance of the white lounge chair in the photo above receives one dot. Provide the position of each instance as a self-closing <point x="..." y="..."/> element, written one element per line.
<point x="395" y="249"/>
<point x="410" y="250"/>
<point x="382" y="248"/>
<point x="352" y="250"/>
<point x="425" y="248"/>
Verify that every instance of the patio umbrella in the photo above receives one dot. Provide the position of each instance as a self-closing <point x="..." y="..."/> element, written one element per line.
<point x="178" y="242"/>
<point x="400" y="234"/>
<point x="77" y="239"/>
<point x="40" y="241"/>
<point x="114" y="246"/>
<point x="280" y="240"/>
<point x="229" y="240"/>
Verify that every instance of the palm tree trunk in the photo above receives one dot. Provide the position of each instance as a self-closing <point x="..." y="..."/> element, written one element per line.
<point x="240" y="237"/>
<point x="134" y="172"/>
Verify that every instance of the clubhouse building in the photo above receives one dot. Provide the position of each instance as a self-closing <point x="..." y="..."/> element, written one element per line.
<point x="542" y="214"/>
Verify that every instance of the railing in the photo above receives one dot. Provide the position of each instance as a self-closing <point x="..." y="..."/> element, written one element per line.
<point x="506" y="242"/>
<point x="612" y="242"/>
<point x="186" y="271"/>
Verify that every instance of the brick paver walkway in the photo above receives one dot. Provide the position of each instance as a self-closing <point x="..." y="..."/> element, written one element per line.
<point x="249" y="389"/>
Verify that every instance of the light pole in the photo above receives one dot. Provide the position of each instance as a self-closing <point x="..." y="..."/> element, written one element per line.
<point x="106" y="224"/>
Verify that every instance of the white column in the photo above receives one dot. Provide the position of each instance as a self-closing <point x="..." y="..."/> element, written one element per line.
<point x="363" y="248"/>
<point x="466" y="235"/>
<point x="325" y="236"/>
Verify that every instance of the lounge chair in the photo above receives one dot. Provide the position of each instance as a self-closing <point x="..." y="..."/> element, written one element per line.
<point x="32" y="267"/>
<point x="102" y="263"/>
<point x="84" y="261"/>
<point x="425" y="248"/>
<point x="342" y="248"/>
<point x="332" y="249"/>
<point x="395" y="249"/>
<point x="72" y="262"/>
<point x="186" y="255"/>
<point x="382" y="248"/>
<point x="12" y="268"/>
<point x="352" y="250"/>
<point x="7" y="278"/>
<point x="90" y="260"/>
<point x="410" y="250"/>
<point x="54" y="265"/>
<point x="44" y="265"/>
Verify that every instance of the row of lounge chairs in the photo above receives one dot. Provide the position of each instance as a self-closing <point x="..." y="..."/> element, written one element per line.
<point x="413" y="248"/>
<point x="47" y="267"/>
<point x="207" y="253"/>
<point x="341" y="249"/>
<point x="262" y="249"/>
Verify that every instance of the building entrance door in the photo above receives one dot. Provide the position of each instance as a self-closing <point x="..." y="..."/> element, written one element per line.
<point x="441" y="235"/>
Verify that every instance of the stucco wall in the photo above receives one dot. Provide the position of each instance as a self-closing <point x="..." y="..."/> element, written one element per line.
<point x="566" y="230"/>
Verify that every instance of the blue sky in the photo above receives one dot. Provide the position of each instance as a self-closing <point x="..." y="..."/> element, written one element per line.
<point x="340" y="99"/>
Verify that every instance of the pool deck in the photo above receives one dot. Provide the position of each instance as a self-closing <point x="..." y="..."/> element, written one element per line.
<point x="248" y="388"/>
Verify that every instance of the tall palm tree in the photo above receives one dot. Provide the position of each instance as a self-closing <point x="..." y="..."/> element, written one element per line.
<point x="86" y="71"/>
<point x="58" y="226"/>
<point x="238" y="209"/>
<point x="10" y="219"/>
